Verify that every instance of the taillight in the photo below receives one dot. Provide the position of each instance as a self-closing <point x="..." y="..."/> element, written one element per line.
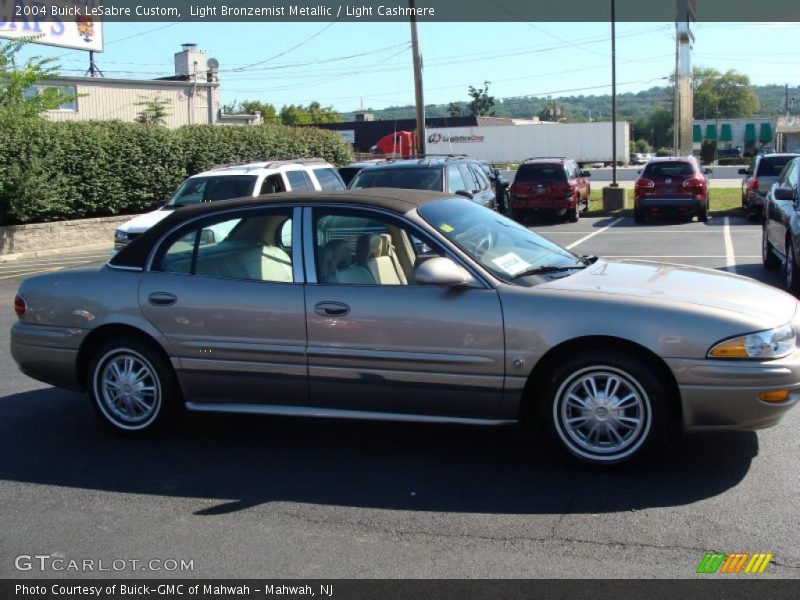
<point x="645" y="183"/>
<point x="753" y="185"/>
<point x="693" y="182"/>
<point x="19" y="306"/>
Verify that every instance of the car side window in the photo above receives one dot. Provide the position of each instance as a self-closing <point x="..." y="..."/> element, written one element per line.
<point x="483" y="180"/>
<point x="329" y="179"/>
<point x="791" y="179"/>
<point x="470" y="179"/>
<point x="299" y="181"/>
<point x="272" y="184"/>
<point x="255" y="247"/>
<point x="365" y="248"/>
<point x="455" y="180"/>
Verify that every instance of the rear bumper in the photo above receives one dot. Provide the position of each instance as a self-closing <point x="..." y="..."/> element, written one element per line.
<point x="670" y="205"/>
<point x="47" y="353"/>
<point x="533" y="204"/>
<point x="723" y="395"/>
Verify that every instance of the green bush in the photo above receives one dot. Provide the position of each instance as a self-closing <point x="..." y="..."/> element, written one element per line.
<point x="733" y="160"/>
<point x="69" y="170"/>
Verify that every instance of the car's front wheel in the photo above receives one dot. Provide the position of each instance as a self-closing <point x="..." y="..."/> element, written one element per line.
<point x="606" y="408"/>
<point x="791" y="270"/>
<point x="132" y="387"/>
<point x="768" y="258"/>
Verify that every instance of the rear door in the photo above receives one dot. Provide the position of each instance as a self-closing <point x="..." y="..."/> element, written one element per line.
<point x="232" y="307"/>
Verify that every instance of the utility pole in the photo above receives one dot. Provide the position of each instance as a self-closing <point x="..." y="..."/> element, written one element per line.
<point x="420" y="101"/>
<point x="786" y="101"/>
<point x="613" y="95"/>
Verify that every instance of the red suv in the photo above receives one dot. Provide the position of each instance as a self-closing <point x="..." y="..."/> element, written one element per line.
<point x="549" y="184"/>
<point x="669" y="185"/>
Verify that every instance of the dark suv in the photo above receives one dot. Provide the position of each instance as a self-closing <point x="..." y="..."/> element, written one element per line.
<point x="549" y="184"/>
<point x="671" y="185"/>
<point x="780" y="239"/>
<point x="758" y="180"/>
<point x="453" y="174"/>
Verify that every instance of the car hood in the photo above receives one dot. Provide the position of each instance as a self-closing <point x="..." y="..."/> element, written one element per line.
<point x="144" y="222"/>
<point x="683" y="285"/>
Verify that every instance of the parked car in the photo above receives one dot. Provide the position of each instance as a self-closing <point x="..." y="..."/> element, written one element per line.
<point x="765" y="150"/>
<point x="639" y="158"/>
<point x="235" y="181"/>
<point x="758" y="180"/>
<point x="671" y="185"/>
<point x="455" y="174"/>
<point x="348" y="172"/>
<point x="734" y="152"/>
<point x="555" y="185"/>
<point x="780" y="236"/>
<point x="323" y="305"/>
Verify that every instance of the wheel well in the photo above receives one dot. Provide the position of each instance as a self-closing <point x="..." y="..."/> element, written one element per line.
<point x="566" y="349"/>
<point x="103" y="334"/>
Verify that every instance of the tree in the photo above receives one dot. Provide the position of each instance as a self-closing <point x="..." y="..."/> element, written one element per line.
<point x="313" y="113"/>
<point x="482" y="102"/>
<point x="21" y="92"/>
<point x="723" y="95"/>
<point x="455" y="109"/>
<point x="154" y="112"/>
<point x="249" y="107"/>
<point x="553" y="111"/>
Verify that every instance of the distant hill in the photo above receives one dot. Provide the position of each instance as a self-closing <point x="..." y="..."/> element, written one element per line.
<point x="629" y="105"/>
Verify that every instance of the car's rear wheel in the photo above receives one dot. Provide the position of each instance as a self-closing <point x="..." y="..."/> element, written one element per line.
<point x="638" y="215"/>
<point x="574" y="213"/>
<point x="132" y="387"/>
<point x="606" y="408"/>
<point x="768" y="258"/>
<point x="791" y="270"/>
<point x="702" y="213"/>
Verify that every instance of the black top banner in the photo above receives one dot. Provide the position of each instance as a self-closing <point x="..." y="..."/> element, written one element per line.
<point x="30" y="11"/>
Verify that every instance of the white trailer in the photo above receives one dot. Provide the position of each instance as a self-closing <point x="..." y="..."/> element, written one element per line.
<point x="584" y="142"/>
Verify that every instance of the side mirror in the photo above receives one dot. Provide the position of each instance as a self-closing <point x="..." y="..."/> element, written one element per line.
<point x="441" y="271"/>
<point x="783" y="193"/>
<point x="496" y="173"/>
<point x="586" y="174"/>
<point x="639" y="172"/>
<point x="465" y="193"/>
<point x="742" y="171"/>
<point x="708" y="171"/>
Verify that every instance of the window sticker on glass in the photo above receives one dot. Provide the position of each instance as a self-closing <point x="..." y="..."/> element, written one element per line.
<point x="447" y="228"/>
<point x="511" y="263"/>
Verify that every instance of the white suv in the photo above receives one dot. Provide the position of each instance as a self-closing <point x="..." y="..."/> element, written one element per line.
<point x="237" y="181"/>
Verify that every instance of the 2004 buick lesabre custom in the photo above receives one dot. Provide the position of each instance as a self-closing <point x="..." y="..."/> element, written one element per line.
<point x="411" y="306"/>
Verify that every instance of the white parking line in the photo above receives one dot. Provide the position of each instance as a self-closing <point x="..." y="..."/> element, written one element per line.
<point x="24" y="273"/>
<point x="730" y="256"/>
<point x="598" y="232"/>
<point x="55" y="260"/>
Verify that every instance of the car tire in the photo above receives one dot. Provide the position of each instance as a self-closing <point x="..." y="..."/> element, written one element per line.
<point x="702" y="214"/>
<point x="638" y="215"/>
<point x="133" y="388"/>
<point x="573" y="214"/>
<point x="606" y="408"/>
<point x="791" y="270"/>
<point x="768" y="258"/>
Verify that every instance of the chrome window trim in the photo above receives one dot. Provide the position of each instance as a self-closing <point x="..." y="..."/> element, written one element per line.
<point x="123" y="267"/>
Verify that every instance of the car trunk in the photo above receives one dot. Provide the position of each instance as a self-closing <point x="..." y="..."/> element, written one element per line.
<point x="671" y="180"/>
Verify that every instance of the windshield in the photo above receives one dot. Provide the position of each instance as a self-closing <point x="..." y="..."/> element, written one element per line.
<point x="209" y="189"/>
<point x="409" y="179"/>
<point x="502" y="246"/>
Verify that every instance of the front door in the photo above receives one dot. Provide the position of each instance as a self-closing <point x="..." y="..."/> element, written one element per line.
<point x="379" y="342"/>
<point x="227" y="293"/>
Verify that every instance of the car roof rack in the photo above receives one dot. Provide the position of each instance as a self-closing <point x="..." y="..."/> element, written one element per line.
<point x="545" y="158"/>
<point x="270" y="163"/>
<point x="423" y="156"/>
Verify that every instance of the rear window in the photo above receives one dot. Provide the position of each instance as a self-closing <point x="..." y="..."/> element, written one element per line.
<point x="669" y="169"/>
<point x="329" y="179"/>
<point x="347" y="174"/>
<point x="543" y="172"/>
<point x="209" y="189"/>
<point x="409" y="179"/>
<point x="772" y="166"/>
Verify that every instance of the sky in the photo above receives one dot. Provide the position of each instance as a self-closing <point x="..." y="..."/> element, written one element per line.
<point x="348" y="65"/>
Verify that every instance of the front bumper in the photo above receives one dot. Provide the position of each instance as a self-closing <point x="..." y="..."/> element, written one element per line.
<point x="48" y="353"/>
<point x="723" y="395"/>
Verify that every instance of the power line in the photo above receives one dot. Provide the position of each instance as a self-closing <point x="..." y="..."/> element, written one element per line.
<point x="285" y="52"/>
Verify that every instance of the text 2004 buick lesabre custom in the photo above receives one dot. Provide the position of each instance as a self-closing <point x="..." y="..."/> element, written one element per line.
<point x="413" y="306"/>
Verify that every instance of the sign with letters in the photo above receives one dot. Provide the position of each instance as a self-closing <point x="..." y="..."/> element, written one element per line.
<point x="51" y="22"/>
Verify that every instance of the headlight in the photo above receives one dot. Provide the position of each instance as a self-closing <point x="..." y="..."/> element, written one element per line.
<point x="775" y="343"/>
<point x="120" y="236"/>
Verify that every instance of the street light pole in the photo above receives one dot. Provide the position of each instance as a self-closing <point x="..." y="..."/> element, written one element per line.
<point x="418" y="96"/>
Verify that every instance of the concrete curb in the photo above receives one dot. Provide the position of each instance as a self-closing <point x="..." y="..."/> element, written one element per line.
<point x="50" y="252"/>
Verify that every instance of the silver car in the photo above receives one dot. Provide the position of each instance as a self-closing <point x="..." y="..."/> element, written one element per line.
<point x="410" y="306"/>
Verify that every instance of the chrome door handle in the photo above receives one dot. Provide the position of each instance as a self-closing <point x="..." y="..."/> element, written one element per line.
<point x="331" y="309"/>
<point x="162" y="299"/>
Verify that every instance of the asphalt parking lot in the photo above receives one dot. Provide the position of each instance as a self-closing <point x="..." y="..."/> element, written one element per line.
<point x="269" y="497"/>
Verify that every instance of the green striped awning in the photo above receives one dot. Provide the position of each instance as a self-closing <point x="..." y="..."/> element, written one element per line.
<point x="711" y="132"/>
<point x="697" y="134"/>
<point x="750" y="133"/>
<point x="725" y="134"/>
<point x="765" y="135"/>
